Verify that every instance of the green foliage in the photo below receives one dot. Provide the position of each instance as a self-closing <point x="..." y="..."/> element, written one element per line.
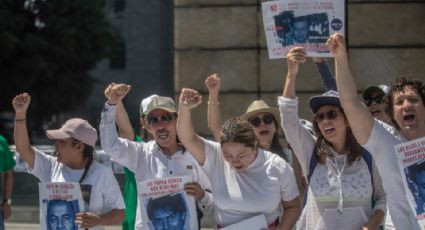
<point x="47" y="48"/>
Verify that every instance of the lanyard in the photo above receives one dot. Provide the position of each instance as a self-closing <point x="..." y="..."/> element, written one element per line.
<point x="338" y="175"/>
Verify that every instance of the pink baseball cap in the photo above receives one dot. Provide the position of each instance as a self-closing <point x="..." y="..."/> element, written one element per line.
<point x="75" y="128"/>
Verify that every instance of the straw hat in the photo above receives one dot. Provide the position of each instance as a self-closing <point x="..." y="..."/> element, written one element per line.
<point x="259" y="106"/>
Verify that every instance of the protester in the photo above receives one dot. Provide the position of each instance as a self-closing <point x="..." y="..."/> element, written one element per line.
<point x="407" y="109"/>
<point x="6" y="169"/>
<point x="246" y="180"/>
<point x="264" y="121"/>
<point x="376" y="100"/>
<point x="75" y="142"/>
<point x="374" y="97"/>
<point x="341" y="180"/>
<point x="162" y="157"/>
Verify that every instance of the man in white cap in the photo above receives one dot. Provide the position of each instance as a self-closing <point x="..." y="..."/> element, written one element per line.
<point x="75" y="142"/>
<point x="162" y="157"/>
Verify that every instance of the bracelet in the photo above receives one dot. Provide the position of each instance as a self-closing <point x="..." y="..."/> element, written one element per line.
<point x="20" y="121"/>
<point x="213" y="103"/>
<point x="111" y="104"/>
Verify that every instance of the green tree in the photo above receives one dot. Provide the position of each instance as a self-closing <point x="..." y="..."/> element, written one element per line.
<point x="47" y="48"/>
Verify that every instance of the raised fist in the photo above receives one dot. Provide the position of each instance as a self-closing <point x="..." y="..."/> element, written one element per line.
<point x="213" y="83"/>
<point x="21" y="102"/>
<point x="189" y="98"/>
<point x="336" y="45"/>
<point x="116" y="92"/>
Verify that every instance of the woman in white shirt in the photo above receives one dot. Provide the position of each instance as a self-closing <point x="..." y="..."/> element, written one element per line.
<point x="246" y="181"/>
<point x="342" y="184"/>
<point x="75" y="142"/>
<point x="264" y="121"/>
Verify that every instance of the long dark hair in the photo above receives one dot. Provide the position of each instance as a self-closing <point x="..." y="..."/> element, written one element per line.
<point x="87" y="154"/>
<point x="276" y="146"/>
<point x="322" y="145"/>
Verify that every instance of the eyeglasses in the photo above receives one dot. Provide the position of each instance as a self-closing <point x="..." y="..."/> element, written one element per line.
<point x="330" y="115"/>
<point x="256" y="121"/>
<point x="377" y="100"/>
<point x="155" y="120"/>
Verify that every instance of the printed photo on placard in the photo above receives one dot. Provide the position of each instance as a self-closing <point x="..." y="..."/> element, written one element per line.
<point x="306" y="23"/>
<point x="166" y="205"/>
<point x="59" y="204"/>
<point x="411" y="156"/>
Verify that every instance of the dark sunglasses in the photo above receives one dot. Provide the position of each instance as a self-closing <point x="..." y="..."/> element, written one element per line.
<point x="155" y="120"/>
<point x="330" y="115"/>
<point x="377" y="100"/>
<point x="256" y="121"/>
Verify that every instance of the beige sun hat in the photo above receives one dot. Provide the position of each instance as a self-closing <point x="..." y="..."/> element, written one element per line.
<point x="259" y="106"/>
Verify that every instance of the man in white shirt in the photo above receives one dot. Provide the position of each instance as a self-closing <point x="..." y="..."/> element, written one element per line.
<point x="406" y="100"/>
<point x="163" y="157"/>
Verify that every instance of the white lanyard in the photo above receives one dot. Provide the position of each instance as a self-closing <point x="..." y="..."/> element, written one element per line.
<point x="339" y="178"/>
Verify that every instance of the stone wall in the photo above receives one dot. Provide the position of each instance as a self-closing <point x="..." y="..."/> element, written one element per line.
<point x="386" y="40"/>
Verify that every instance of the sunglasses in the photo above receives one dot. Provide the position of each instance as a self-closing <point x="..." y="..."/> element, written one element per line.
<point x="256" y="121"/>
<point x="330" y="115"/>
<point x="377" y="100"/>
<point x="155" y="120"/>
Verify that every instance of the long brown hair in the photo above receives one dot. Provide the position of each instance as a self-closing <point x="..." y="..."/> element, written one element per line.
<point x="322" y="145"/>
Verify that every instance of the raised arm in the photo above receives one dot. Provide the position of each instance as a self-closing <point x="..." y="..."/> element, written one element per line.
<point x="213" y="115"/>
<point x="359" y="117"/>
<point x="325" y="73"/>
<point x="294" y="58"/>
<point x="123" y="122"/>
<point x="23" y="147"/>
<point x="190" y="99"/>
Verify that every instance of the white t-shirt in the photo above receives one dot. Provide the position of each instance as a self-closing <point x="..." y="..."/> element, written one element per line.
<point x="148" y="161"/>
<point x="381" y="144"/>
<point x="105" y="194"/>
<point x="260" y="188"/>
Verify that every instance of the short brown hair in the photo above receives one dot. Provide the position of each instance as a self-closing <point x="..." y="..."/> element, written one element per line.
<point x="238" y="130"/>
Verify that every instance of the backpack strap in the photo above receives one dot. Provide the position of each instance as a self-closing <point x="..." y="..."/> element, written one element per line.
<point x="312" y="166"/>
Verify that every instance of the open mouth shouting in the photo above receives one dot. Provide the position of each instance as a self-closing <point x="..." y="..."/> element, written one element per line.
<point x="264" y="133"/>
<point x="328" y="130"/>
<point x="162" y="134"/>
<point x="408" y="118"/>
<point x="375" y="112"/>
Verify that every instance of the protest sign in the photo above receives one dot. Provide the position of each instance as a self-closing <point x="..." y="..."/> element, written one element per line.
<point x="411" y="157"/>
<point x="306" y="23"/>
<point x="59" y="204"/>
<point x="165" y="203"/>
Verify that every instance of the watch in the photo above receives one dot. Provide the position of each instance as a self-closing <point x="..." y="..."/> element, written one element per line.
<point x="7" y="201"/>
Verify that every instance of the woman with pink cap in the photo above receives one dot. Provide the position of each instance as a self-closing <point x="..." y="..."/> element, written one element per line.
<point x="75" y="142"/>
